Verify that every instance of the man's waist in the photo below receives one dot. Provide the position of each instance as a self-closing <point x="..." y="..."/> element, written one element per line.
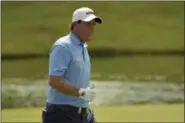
<point x="71" y="108"/>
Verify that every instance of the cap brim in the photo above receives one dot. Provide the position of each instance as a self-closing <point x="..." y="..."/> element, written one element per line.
<point x="93" y="17"/>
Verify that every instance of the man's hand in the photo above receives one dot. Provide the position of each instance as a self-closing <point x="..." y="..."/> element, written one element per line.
<point x="88" y="94"/>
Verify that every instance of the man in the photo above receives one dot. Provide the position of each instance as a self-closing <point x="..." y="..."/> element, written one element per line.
<point x="70" y="92"/>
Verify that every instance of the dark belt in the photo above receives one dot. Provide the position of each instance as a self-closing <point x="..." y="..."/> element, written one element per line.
<point x="78" y="110"/>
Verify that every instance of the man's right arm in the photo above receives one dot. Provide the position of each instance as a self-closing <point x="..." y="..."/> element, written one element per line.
<point x="59" y="61"/>
<point x="63" y="86"/>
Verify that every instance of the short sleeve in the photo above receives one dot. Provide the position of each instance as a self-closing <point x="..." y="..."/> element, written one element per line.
<point x="59" y="60"/>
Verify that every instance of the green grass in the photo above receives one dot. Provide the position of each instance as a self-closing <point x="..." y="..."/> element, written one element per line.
<point x="32" y="27"/>
<point x="169" y="68"/>
<point x="138" y="113"/>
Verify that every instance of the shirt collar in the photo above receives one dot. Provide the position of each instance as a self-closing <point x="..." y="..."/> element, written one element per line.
<point x="76" y="40"/>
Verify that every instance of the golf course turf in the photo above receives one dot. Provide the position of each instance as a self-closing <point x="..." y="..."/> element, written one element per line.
<point x="136" y="113"/>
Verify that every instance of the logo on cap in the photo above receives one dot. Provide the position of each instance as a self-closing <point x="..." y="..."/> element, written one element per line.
<point x="87" y="13"/>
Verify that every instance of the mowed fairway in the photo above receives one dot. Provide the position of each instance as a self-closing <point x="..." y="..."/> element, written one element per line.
<point x="139" y="113"/>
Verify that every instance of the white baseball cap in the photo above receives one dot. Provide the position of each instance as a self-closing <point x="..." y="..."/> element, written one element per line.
<point x="85" y="14"/>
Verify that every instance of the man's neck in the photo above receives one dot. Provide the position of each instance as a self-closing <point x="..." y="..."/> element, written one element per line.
<point x="76" y="33"/>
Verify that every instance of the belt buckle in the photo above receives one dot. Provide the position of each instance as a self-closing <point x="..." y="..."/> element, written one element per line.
<point x="80" y="110"/>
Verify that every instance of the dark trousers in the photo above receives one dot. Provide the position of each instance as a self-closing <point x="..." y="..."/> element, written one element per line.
<point x="63" y="114"/>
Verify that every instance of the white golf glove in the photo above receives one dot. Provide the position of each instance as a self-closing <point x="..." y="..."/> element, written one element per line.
<point x="88" y="94"/>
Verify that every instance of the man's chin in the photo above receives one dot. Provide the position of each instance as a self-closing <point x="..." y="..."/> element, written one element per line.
<point x="90" y="38"/>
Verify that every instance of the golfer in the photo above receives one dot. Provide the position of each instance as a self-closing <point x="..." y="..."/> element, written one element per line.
<point x="69" y="91"/>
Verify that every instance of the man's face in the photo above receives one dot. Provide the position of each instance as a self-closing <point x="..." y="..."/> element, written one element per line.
<point x="86" y="30"/>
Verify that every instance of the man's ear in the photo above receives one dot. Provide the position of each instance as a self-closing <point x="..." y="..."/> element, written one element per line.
<point x="75" y="24"/>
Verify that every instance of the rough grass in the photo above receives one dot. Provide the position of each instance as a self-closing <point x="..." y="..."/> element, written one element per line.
<point x="139" y="113"/>
<point x="32" y="27"/>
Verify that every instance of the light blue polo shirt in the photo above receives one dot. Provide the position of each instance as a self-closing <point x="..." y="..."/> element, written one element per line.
<point x="69" y="58"/>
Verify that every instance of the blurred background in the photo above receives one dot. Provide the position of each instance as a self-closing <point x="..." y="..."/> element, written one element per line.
<point x="137" y="57"/>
